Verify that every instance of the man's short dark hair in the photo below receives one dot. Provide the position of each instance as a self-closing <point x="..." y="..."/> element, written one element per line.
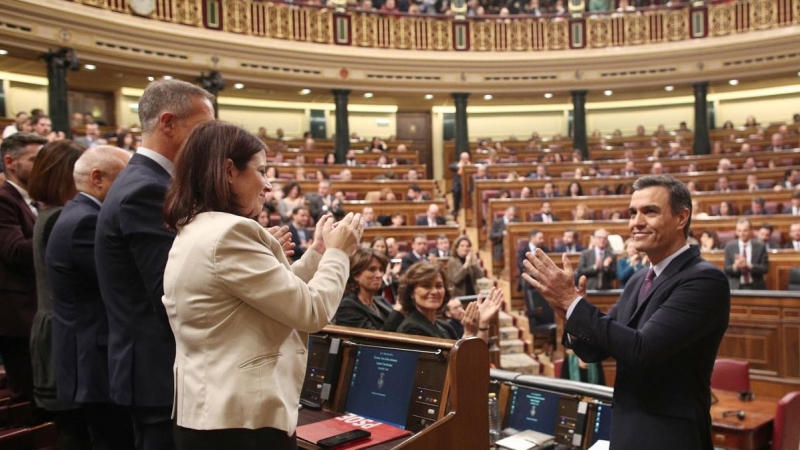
<point x="415" y="188"/>
<point x="534" y="232"/>
<point x="760" y="201"/>
<point x="767" y="226"/>
<point x="16" y="143"/>
<point x="38" y="118"/>
<point x="679" y="196"/>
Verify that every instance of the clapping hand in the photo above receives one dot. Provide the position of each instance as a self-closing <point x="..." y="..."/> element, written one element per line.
<point x="556" y="285"/>
<point x="284" y="237"/>
<point x="344" y="235"/>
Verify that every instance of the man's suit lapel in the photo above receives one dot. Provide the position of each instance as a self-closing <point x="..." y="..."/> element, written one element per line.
<point x="26" y="208"/>
<point x="671" y="270"/>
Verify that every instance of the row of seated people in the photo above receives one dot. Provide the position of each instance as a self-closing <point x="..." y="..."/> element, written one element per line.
<point x="301" y="172"/>
<point x="702" y="185"/>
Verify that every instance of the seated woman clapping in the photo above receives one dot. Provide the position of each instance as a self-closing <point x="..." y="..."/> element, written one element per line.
<point x="362" y="305"/>
<point x="423" y="292"/>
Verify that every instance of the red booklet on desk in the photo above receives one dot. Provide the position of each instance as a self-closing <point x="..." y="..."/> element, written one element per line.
<point x="381" y="432"/>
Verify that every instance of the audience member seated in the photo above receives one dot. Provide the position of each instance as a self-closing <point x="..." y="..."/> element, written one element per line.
<point x="322" y="202"/>
<point x="302" y="237"/>
<point x="794" y="237"/>
<point x="757" y="207"/>
<point x="545" y="214"/>
<point x="498" y="232"/>
<point x="581" y="212"/>
<point x="598" y="264"/>
<point x="432" y="217"/>
<point x="574" y="189"/>
<point x="292" y="198"/>
<point x="368" y="217"/>
<point x="746" y="259"/>
<point x="549" y="191"/>
<point x="423" y="292"/>
<point x="764" y="235"/>
<point x="794" y="207"/>
<point x="363" y="306"/>
<point x="442" y="248"/>
<point x="723" y="184"/>
<point x="454" y="312"/>
<point x="725" y="209"/>
<point x="573" y="368"/>
<point x="632" y="262"/>
<point x="463" y="268"/>
<point x="419" y="252"/>
<point x="709" y="241"/>
<point x="569" y="242"/>
<point x="776" y="143"/>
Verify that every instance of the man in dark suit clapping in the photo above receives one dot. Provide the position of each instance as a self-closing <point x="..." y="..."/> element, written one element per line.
<point x="131" y="249"/>
<point x="80" y="324"/>
<point x="664" y="332"/>
<point x="17" y="277"/>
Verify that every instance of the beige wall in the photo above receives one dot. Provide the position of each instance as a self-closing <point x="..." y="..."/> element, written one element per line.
<point x="366" y="124"/>
<point x="25" y="97"/>
<point x="293" y="121"/>
<point x="776" y="108"/>
<point x="521" y="125"/>
<point x="626" y="119"/>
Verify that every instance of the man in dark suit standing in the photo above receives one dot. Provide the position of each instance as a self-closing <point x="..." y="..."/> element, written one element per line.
<point x="598" y="264"/>
<point x="746" y="259"/>
<point x="80" y="324"/>
<point x="497" y="233"/>
<point x="664" y="332"/>
<point x="17" y="276"/>
<point x="298" y="228"/>
<point x="131" y="249"/>
<point x="419" y="252"/>
<point x="569" y="242"/>
<point x="545" y="214"/>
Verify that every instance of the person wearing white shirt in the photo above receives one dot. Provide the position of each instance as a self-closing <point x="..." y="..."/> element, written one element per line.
<point x="746" y="259"/>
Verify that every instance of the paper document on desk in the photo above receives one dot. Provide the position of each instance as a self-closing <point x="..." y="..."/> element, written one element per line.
<point x="525" y="440"/>
<point x="600" y="445"/>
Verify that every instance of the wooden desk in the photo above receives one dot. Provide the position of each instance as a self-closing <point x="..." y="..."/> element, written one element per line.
<point x="307" y="416"/>
<point x="752" y="433"/>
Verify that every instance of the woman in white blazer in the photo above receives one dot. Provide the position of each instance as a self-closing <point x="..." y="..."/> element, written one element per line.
<point x="239" y="311"/>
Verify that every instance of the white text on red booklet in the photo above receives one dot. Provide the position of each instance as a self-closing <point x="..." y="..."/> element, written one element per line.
<point x="358" y="421"/>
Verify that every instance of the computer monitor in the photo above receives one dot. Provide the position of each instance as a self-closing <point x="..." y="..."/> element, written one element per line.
<point x="382" y="384"/>
<point x="533" y="409"/>
<point x="599" y="423"/>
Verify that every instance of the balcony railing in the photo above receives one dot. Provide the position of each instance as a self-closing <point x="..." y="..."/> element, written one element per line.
<point x="322" y="25"/>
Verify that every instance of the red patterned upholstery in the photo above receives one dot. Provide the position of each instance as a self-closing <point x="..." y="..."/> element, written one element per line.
<point x="786" y="428"/>
<point x="731" y="375"/>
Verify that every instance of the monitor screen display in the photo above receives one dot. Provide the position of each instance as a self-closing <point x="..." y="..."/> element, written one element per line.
<point x="601" y="426"/>
<point x="380" y="388"/>
<point x="533" y="409"/>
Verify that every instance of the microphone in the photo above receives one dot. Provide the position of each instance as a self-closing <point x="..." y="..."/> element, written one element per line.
<point x="733" y="412"/>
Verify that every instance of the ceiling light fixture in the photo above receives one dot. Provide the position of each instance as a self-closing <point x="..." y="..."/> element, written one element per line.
<point x="367" y="94"/>
<point x="3" y="52"/>
<point x="428" y="96"/>
<point x="548" y="95"/>
<point x="151" y="78"/>
<point x="669" y="88"/>
<point x="89" y="66"/>
<point x="608" y="92"/>
<point x="238" y="86"/>
<point x="167" y="77"/>
<point x="733" y="82"/>
<point x="305" y="91"/>
<point x="487" y="97"/>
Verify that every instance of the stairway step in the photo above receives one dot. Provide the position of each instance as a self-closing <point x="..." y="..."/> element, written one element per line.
<point x="505" y="319"/>
<point x="512" y="346"/>
<point x="519" y="362"/>
<point x="510" y="332"/>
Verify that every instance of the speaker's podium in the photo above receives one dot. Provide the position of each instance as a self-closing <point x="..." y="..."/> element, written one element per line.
<point x="432" y="391"/>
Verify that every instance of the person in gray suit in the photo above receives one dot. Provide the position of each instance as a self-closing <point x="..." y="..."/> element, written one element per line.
<point x="746" y="259"/>
<point x="598" y="264"/>
<point x="498" y="231"/>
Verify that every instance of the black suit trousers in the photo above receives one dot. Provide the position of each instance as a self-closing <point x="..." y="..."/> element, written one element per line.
<point x="234" y="438"/>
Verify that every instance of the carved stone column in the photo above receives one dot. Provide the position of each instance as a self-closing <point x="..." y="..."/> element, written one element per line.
<point x="58" y="62"/>
<point x="213" y="83"/>
<point x="462" y="136"/>
<point x="701" y="145"/>
<point x="340" y="97"/>
<point x="579" y="140"/>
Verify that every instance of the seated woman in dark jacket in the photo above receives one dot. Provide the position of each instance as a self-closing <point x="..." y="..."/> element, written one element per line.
<point x="423" y="292"/>
<point x="362" y="305"/>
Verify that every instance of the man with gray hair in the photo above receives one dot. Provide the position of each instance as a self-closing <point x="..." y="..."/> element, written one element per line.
<point x="79" y="322"/>
<point x="131" y="249"/>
